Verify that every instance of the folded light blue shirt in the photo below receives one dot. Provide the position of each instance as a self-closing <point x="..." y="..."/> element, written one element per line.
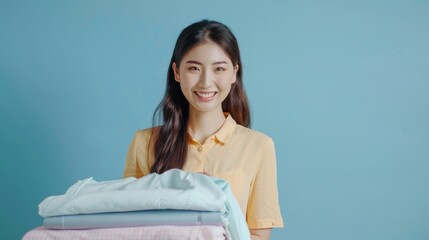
<point x="134" y="219"/>
<point x="174" y="189"/>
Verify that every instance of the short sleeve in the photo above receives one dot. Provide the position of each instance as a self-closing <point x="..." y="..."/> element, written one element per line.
<point x="136" y="163"/>
<point x="263" y="209"/>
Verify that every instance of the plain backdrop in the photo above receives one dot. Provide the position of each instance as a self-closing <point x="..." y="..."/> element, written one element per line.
<point x="341" y="86"/>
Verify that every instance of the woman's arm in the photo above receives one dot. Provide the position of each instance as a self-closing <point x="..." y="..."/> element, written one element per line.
<point x="260" y="234"/>
<point x="138" y="148"/>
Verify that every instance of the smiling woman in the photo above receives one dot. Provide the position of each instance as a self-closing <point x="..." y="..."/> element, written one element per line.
<point x="205" y="75"/>
<point x="205" y="126"/>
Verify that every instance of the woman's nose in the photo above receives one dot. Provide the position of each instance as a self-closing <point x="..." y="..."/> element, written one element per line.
<point x="205" y="79"/>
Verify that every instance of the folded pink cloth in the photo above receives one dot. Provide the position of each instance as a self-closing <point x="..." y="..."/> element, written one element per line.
<point x="164" y="232"/>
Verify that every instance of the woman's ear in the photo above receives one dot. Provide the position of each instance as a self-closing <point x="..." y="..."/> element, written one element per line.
<point x="235" y="73"/>
<point x="176" y="72"/>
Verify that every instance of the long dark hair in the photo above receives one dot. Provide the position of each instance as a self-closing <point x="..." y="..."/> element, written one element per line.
<point x="171" y="138"/>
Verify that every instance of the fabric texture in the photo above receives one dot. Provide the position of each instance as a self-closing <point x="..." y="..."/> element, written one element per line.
<point x="164" y="232"/>
<point x="174" y="189"/>
<point x="242" y="156"/>
<point x="134" y="219"/>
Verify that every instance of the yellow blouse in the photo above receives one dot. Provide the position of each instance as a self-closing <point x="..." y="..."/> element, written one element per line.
<point x="242" y="156"/>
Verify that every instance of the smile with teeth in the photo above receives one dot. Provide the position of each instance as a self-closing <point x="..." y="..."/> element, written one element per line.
<point x="205" y="94"/>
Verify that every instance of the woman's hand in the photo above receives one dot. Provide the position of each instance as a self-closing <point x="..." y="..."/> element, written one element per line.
<point x="260" y="234"/>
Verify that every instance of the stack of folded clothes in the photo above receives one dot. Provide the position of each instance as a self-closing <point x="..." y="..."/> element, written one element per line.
<point x="172" y="205"/>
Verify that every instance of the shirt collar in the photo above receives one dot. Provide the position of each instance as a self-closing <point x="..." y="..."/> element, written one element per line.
<point x="226" y="130"/>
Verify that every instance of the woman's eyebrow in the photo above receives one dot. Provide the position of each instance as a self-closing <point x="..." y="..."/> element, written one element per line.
<point x="198" y="63"/>
<point x="193" y="62"/>
<point x="220" y="62"/>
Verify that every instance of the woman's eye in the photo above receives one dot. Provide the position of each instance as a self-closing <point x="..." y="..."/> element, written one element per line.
<point x="193" y="69"/>
<point x="220" y="69"/>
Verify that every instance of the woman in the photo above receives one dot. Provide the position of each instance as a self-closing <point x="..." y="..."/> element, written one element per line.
<point x="206" y="123"/>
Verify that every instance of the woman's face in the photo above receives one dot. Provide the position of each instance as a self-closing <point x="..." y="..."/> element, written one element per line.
<point x="205" y="75"/>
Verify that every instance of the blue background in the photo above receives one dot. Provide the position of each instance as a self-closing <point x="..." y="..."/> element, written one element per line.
<point x="341" y="86"/>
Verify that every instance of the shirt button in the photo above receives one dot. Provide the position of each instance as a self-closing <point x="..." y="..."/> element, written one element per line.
<point x="200" y="149"/>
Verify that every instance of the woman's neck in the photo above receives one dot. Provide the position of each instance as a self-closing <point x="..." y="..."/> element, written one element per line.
<point x="204" y="124"/>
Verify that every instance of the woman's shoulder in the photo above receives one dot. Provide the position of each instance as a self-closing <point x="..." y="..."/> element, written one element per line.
<point x="145" y="134"/>
<point x="251" y="134"/>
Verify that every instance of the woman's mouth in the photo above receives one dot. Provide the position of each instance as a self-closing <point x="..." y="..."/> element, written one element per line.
<point x="205" y="96"/>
